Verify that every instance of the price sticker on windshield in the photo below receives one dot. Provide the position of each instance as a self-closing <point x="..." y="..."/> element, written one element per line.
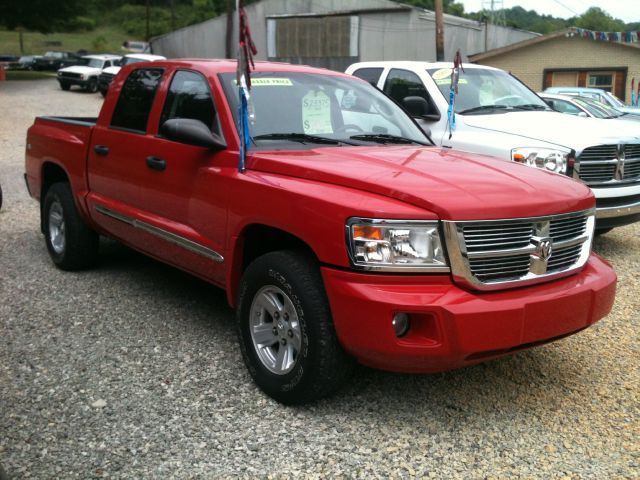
<point x="441" y="74"/>
<point x="271" y="82"/>
<point x="316" y="113"/>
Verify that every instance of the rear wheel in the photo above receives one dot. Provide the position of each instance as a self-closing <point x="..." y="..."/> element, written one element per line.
<point x="72" y="245"/>
<point x="285" y="329"/>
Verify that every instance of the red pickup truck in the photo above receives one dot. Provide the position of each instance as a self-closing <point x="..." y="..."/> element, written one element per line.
<point x="348" y="237"/>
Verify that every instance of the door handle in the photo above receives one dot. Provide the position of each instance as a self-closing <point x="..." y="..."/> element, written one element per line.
<point x="156" y="163"/>
<point x="102" y="150"/>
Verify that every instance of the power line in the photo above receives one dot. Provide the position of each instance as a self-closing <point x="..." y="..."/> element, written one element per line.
<point x="564" y="6"/>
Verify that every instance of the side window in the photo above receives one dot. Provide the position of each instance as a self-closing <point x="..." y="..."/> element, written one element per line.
<point x="136" y="99"/>
<point x="189" y="97"/>
<point x="403" y="83"/>
<point x="371" y="75"/>
<point x="565" y="107"/>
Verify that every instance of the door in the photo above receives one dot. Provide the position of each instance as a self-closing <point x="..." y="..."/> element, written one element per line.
<point x="148" y="190"/>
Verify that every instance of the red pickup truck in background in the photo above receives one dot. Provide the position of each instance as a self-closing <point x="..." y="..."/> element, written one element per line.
<point x="348" y="237"/>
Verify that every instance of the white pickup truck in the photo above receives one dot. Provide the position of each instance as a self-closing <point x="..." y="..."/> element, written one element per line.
<point x="498" y="115"/>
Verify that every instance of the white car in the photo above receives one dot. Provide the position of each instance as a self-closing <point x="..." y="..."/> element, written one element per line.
<point x="498" y="115"/>
<point x="86" y="76"/>
<point x="585" y="107"/>
<point x="108" y="73"/>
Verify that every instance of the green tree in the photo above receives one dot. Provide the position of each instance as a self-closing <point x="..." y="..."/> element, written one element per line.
<point x="597" y="19"/>
<point x="38" y="15"/>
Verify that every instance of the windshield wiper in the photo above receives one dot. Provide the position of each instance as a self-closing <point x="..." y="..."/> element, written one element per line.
<point x="385" y="138"/>
<point x="483" y="108"/>
<point x="299" y="137"/>
<point x="530" y="106"/>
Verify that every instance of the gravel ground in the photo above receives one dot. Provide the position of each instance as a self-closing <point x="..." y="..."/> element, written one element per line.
<point x="132" y="371"/>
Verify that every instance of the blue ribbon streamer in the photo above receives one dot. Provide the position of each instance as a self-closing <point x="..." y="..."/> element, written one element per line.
<point x="243" y="129"/>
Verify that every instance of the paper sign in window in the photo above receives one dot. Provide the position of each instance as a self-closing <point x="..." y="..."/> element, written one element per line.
<point x="316" y="113"/>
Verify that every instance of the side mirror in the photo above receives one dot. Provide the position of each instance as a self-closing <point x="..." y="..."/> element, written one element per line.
<point x="192" y="132"/>
<point x="582" y="114"/>
<point x="419" y="107"/>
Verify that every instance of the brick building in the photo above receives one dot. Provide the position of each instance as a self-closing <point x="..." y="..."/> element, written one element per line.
<point x="566" y="59"/>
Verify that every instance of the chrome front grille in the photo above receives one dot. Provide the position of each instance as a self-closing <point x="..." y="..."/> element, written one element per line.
<point x="603" y="165"/>
<point x="70" y="75"/>
<point x="493" y="254"/>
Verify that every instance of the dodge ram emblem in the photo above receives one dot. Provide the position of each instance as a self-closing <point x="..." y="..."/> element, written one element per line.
<point x="541" y="255"/>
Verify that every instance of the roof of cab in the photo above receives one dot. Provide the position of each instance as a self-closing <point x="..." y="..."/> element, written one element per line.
<point x="213" y="66"/>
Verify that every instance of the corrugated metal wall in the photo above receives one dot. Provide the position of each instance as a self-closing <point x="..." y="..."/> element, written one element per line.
<point x="391" y="35"/>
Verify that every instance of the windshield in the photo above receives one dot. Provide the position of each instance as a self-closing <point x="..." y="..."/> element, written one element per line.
<point x="316" y="108"/>
<point x="597" y="109"/>
<point x="486" y="91"/>
<point x="613" y="100"/>
<point x="95" y="63"/>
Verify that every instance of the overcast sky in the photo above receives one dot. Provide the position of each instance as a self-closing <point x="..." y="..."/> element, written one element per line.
<point x="626" y="10"/>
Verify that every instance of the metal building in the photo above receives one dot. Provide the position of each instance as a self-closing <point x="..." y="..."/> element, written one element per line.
<point x="336" y="33"/>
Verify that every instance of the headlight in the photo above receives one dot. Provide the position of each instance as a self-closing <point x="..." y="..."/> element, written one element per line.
<point x="545" y="158"/>
<point x="396" y="245"/>
<point x="85" y="77"/>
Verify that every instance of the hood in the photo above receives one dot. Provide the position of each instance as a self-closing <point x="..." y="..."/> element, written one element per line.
<point x="82" y="69"/>
<point x="453" y="185"/>
<point x="111" y="70"/>
<point x="564" y="130"/>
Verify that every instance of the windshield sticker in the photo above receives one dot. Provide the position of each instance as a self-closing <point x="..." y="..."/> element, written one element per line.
<point x="271" y="82"/>
<point x="442" y="73"/>
<point x="447" y="81"/>
<point x="316" y="113"/>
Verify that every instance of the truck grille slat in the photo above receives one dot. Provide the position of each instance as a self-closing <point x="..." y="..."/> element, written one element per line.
<point x="609" y="164"/>
<point x="494" y="254"/>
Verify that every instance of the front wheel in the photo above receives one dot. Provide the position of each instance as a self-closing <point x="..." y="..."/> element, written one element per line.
<point x="72" y="245"/>
<point x="285" y="329"/>
<point x="65" y="86"/>
<point x="92" y="86"/>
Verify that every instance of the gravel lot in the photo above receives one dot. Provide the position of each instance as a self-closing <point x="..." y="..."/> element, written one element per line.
<point x="132" y="371"/>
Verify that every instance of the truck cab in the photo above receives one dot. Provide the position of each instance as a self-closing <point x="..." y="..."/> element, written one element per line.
<point x="497" y="115"/>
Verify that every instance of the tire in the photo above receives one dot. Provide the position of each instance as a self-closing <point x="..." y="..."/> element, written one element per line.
<point x="103" y="92"/>
<point x="92" y="86"/>
<point x="65" y="86"/>
<point x="315" y="365"/>
<point x="0" y="197"/>
<point x="72" y="245"/>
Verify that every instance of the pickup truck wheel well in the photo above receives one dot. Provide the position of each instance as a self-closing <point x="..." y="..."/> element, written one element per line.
<point x="262" y="239"/>
<point x="257" y="240"/>
<point x="51" y="173"/>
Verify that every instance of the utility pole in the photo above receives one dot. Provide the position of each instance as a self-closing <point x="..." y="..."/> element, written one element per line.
<point x="229" y="39"/>
<point x="439" y="32"/>
<point x="148" y="36"/>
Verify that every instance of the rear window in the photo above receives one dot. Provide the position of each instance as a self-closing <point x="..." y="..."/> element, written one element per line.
<point x="136" y="99"/>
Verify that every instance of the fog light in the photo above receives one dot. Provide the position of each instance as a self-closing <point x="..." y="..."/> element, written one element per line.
<point x="400" y="324"/>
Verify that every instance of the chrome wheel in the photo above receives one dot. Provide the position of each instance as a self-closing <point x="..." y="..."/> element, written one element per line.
<point x="56" y="227"/>
<point x="275" y="330"/>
